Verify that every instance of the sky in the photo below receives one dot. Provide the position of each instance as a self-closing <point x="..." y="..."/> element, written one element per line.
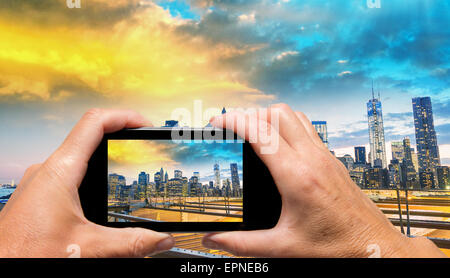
<point x="318" y="56"/>
<point x="130" y="157"/>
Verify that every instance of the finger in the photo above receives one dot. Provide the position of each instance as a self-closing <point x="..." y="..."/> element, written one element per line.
<point x="284" y="119"/>
<point x="124" y="242"/>
<point x="261" y="243"/>
<point x="310" y="130"/>
<point x="69" y="161"/>
<point x="264" y="139"/>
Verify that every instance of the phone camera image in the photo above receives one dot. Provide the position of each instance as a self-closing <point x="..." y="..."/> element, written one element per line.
<point x="171" y="181"/>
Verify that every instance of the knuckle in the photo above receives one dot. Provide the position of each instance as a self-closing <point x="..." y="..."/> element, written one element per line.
<point x="136" y="244"/>
<point x="54" y="168"/>
<point x="302" y="115"/>
<point x="240" y="248"/>
<point x="280" y="107"/>
<point x="93" y="113"/>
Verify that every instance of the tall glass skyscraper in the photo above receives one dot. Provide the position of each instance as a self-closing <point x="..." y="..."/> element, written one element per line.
<point x="321" y="128"/>
<point x="234" y="175"/>
<point x="143" y="178"/>
<point x="426" y="141"/>
<point x="217" y="174"/>
<point x="377" y="156"/>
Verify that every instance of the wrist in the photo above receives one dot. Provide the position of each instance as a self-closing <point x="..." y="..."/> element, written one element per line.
<point x="394" y="244"/>
<point x="424" y="248"/>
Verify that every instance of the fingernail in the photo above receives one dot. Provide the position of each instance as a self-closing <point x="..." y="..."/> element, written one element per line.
<point x="165" y="244"/>
<point x="211" y="244"/>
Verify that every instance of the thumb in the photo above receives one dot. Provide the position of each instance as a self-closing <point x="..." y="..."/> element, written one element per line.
<point x="124" y="242"/>
<point x="260" y="243"/>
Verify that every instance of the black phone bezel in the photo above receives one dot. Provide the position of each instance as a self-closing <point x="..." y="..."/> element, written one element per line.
<point x="261" y="200"/>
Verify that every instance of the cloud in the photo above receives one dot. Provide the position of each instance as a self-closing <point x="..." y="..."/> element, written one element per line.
<point x="347" y="72"/>
<point x="140" y="55"/>
<point x="247" y="18"/>
<point x="282" y="55"/>
<point x="138" y="153"/>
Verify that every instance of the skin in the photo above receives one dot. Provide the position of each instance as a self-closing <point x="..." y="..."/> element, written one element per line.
<point x="324" y="213"/>
<point x="43" y="217"/>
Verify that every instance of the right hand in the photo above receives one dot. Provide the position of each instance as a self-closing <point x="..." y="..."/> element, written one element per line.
<point x="324" y="213"/>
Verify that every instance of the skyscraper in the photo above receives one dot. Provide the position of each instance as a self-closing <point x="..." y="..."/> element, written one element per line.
<point x="157" y="178"/>
<point x="235" y="179"/>
<point x="415" y="159"/>
<point x="217" y="174"/>
<point x="177" y="174"/>
<point x="321" y="128"/>
<point x="397" y="151"/>
<point x="143" y="179"/>
<point x="347" y="160"/>
<point x="377" y="155"/>
<point x="409" y="174"/>
<point x="360" y="155"/>
<point x="426" y="141"/>
<point x="115" y="183"/>
<point x="161" y="173"/>
<point x="443" y="177"/>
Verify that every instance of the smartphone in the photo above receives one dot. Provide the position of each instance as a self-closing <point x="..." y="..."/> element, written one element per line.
<point x="179" y="180"/>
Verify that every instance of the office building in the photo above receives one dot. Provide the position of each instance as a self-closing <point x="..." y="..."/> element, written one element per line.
<point x="426" y="141"/>
<point x="347" y="160"/>
<point x="178" y="174"/>
<point x="217" y="174"/>
<point x="397" y="151"/>
<point x="321" y="128"/>
<point x="376" y="178"/>
<point x="443" y="177"/>
<point x="360" y="155"/>
<point x="235" y="183"/>
<point x="395" y="174"/>
<point x="115" y="183"/>
<point x="377" y="155"/>
<point x="409" y="174"/>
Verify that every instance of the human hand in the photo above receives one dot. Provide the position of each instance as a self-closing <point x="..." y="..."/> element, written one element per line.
<point x="324" y="213"/>
<point x="43" y="217"/>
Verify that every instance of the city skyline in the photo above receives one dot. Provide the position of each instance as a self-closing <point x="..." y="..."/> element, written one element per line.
<point x="130" y="157"/>
<point x="224" y="174"/>
<point x="406" y="168"/>
<point x="320" y="57"/>
<point x="386" y="145"/>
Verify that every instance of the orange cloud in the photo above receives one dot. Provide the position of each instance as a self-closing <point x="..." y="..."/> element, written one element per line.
<point x="140" y="61"/>
<point x="138" y="152"/>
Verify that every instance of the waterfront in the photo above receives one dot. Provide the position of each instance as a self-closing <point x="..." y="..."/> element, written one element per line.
<point x="6" y="191"/>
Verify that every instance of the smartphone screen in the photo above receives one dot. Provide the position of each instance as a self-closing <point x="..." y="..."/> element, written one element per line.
<point x="176" y="181"/>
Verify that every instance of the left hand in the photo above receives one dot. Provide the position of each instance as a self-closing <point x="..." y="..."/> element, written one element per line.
<point x="44" y="218"/>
